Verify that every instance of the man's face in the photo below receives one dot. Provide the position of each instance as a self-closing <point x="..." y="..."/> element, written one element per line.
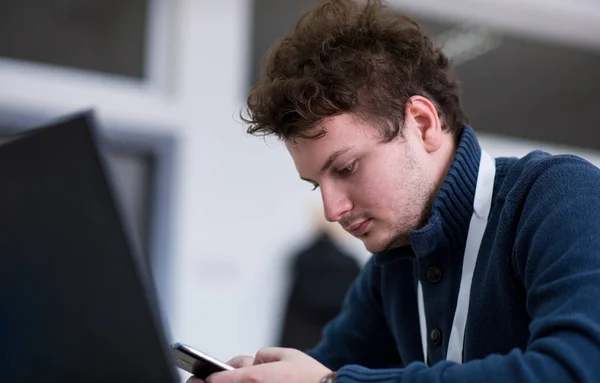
<point x="379" y="192"/>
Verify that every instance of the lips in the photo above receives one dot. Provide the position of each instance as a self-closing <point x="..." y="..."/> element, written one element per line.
<point x="358" y="229"/>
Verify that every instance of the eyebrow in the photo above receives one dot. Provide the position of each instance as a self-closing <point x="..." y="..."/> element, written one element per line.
<point x="330" y="160"/>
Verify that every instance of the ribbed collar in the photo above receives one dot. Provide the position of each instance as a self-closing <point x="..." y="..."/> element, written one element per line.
<point x="448" y="225"/>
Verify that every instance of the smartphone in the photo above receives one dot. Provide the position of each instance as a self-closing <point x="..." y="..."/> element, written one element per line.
<point x="196" y="362"/>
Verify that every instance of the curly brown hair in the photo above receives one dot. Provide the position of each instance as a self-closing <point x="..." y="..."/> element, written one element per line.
<point x="345" y="56"/>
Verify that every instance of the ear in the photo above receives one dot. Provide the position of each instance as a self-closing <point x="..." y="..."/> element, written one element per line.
<point x="422" y="114"/>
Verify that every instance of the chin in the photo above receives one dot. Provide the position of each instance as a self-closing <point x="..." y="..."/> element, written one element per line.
<point x="377" y="245"/>
<point x="373" y="245"/>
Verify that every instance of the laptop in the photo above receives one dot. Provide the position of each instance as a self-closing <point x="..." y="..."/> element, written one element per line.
<point x="76" y="302"/>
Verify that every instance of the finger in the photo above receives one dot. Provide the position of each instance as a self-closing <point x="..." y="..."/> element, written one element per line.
<point x="193" y="379"/>
<point x="241" y="361"/>
<point x="251" y="374"/>
<point x="272" y="354"/>
<point x="232" y="376"/>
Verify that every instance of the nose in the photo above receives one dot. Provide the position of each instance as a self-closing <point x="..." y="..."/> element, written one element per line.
<point x="336" y="203"/>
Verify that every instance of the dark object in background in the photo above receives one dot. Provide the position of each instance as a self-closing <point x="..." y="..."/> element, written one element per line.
<point x="103" y="36"/>
<point x="321" y="276"/>
<point x="75" y="304"/>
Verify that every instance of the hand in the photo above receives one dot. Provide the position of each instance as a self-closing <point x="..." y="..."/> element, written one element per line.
<point x="237" y="362"/>
<point x="275" y="365"/>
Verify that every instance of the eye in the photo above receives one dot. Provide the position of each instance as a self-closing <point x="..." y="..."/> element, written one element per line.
<point x="315" y="187"/>
<point x="346" y="170"/>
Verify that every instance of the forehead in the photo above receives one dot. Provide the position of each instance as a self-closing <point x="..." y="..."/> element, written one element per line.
<point x="341" y="131"/>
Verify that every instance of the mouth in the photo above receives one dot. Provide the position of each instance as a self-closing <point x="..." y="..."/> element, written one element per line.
<point x="360" y="228"/>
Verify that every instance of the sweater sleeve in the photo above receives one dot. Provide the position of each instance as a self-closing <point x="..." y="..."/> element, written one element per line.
<point x="557" y="258"/>
<point x="359" y="334"/>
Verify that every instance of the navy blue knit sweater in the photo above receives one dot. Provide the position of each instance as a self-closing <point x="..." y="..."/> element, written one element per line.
<point x="534" y="313"/>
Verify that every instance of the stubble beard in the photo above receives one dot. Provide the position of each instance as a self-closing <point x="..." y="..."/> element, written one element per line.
<point x="423" y="192"/>
<point x="426" y="192"/>
<point x="402" y="237"/>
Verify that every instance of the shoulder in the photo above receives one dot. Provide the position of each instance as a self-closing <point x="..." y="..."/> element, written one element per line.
<point x="553" y="205"/>
<point x="540" y="175"/>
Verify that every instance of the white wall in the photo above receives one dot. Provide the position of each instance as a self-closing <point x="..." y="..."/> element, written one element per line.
<point x="239" y="203"/>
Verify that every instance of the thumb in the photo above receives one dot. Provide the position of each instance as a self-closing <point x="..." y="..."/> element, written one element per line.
<point x="241" y="361"/>
<point x="271" y="354"/>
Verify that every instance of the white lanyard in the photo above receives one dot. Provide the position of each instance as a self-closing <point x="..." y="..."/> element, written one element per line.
<point x="481" y="209"/>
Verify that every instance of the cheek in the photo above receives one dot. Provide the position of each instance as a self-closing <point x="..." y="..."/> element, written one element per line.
<point x="375" y="192"/>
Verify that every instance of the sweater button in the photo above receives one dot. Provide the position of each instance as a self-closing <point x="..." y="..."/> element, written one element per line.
<point x="434" y="274"/>
<point x="436" y="336"/>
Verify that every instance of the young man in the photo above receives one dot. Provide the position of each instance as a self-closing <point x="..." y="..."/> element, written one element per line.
<point x="484" y="270"/>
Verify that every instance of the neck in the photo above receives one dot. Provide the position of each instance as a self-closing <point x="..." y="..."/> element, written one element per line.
<point x="454" y="191"/>
<point x="450" y="213"/>
<point x="445" y="158"/>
